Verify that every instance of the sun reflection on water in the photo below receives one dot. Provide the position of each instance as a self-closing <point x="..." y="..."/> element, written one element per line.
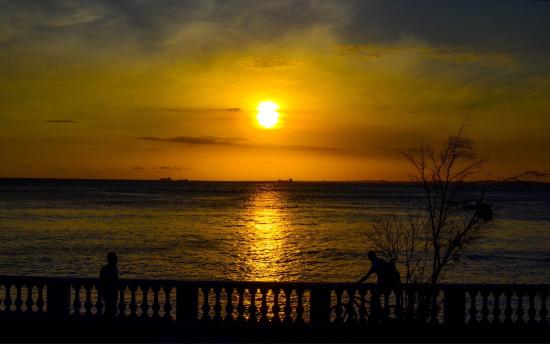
<point x="266" y="233"/>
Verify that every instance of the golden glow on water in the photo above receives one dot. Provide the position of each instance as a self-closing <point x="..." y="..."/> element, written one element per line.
<point x="266" y="236"/>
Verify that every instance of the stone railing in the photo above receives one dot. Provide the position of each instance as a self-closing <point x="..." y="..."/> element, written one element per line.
<point x="272" y="304"/>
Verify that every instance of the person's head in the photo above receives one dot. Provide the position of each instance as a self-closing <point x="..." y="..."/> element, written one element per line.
<point x="112" y="258"/>
<point x="372" y="256"/>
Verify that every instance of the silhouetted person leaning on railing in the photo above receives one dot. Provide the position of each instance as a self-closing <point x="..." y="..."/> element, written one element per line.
<point x="387" y="274"/>
<point x="388" y="279"/>
<point x="108" y="281"/>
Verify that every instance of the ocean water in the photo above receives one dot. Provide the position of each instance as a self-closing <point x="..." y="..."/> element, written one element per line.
<point x="245" y="230"/>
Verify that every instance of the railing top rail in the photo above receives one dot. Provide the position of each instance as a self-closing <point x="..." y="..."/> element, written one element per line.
<point x="265" y="284"/>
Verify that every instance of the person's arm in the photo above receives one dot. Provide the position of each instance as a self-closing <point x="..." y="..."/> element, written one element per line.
<point x="366" y="277"/>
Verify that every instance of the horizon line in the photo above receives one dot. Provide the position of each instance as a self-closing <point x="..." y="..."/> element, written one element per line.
<point x="366" y="181"/>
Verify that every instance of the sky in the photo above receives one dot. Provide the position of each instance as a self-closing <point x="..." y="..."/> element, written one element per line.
<point x="150" y="89"/>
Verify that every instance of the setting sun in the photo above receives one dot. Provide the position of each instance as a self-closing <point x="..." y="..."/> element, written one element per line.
<point x="267" y="114"/>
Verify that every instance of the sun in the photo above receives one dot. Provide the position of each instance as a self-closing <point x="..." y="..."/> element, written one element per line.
<point x="267" y="115"/>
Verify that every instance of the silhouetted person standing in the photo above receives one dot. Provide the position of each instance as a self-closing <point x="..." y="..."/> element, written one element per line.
<point x="108" y="281"/>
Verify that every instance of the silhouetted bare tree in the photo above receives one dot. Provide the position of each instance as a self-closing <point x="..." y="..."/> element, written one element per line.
<point x="404" y="242"/>
<point x="449" y="220"/>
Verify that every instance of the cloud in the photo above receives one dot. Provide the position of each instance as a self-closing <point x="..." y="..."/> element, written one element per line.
<point x="199" y="140"/>
<point x="168" y="168"/>
<point x="301" y="148"/>
<point x="76" y="14"/>
<point x="235" y="142"/>
<point x="412" y="48"/>
<point x="60" y="121"/>
<point x="192" y="109"/>
<point x="266" y="62"/>
<point x="499" y="26"/>
<point x="162" y="167"/>
<point x="150" y="27"/>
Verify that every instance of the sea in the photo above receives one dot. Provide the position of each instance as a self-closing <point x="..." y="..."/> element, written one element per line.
<point x="272" y="231"/>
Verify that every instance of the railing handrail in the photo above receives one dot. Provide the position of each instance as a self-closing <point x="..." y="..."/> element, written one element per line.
<point x="259" y="284"/>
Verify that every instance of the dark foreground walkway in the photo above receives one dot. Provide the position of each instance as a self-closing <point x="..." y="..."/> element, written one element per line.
<point x="69" y="309"/>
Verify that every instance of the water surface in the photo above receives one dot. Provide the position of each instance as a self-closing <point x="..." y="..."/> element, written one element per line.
<point x="245" y="231"/>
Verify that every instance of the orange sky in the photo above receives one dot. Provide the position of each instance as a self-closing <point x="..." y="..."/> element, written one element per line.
<point x="156" y="89"/>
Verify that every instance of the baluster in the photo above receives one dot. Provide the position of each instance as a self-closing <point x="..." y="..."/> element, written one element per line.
<point x="508" y="311"/>
<point x="362" y="307"/>
<point x="156" y="303"/>
<point x="276" y="320"/>
<point x="386" y="310"/>
<point x="473" y="307"/>
<point x="421" y="310"/>
<point x="300" y="307"/>
<point x="399" y="310"/>
<point x="217" y="305"/>
<point x="144" y="301"/>
<point x="167" y="303"/>
<point x="395" y="309"/>
<point x="485" y="307"/>
<point x="520" y="312"/>
<point x="350" y="306"/>
<point x="99" y="304"/>
<point x="40" y="301"/>
<point x="253" y="309"/>
<point x="7" y="300"/>
<point x="434" y="306"/>
<point x="496" y="310"/>
<point x="543" y="308"/>
<point x="133" y="302"/>
<point x="205" y="305"/>
<point x="240" y="306"/>
<point x="121" y="301"/>
<point x="76" y="302"/>
<point x="18" y="299"/>
<point x="288" y="308"/>
<point x="1" y="297"/>
<point x="229" y="306"/>
<point x="29" y="302"/>
<point x="375" y="306"/>
<point x="263" y="308"/>
<point x="411" y="301"/>
<point x="88" y="304"/>
<point x="532" y="312"/>
<point x="338" y="307"/>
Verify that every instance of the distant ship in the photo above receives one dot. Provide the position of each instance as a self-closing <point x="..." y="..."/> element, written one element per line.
<point x="168" y="179"/>
<point x="285" y="181"/>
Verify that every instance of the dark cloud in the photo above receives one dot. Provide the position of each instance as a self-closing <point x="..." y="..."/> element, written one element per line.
<point x="154" y="26"/>
<point x="169" y="168"/>
<point x="302" y="148"/>
<point x="235" y="142"/>
<point x="137" y="168"/>
<point x="511" y="26"/>
<point x="199" y="140"/>
<point x="60" y="121"/>
<point x="265" y="62"/>
<point x="192" y="109"/>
